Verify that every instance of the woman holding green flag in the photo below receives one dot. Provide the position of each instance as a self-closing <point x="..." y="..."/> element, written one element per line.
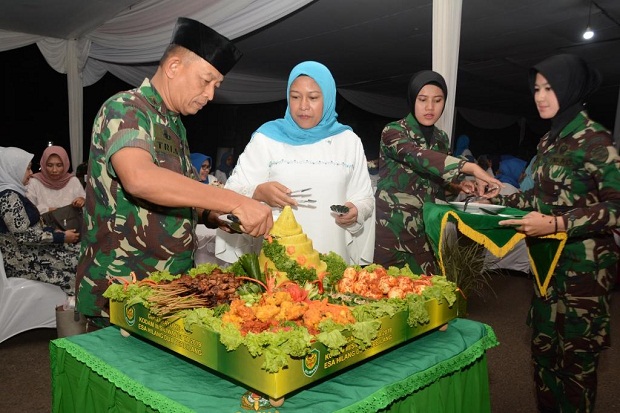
<point x="577" y="191"/>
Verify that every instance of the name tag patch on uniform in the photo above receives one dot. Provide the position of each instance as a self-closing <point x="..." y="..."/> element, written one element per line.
<point x="165" y="140"/>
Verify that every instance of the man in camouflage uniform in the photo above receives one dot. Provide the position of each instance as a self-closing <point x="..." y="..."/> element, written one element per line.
<point x="414" y="168"/>
<point x="142" y="197"/>
<point x="577" y="190"/>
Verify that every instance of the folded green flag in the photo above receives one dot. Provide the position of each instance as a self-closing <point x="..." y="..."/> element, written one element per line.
<point x="484" y="229"/>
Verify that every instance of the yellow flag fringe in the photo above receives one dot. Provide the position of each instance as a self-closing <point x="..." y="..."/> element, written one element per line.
<point x="501" y="251"/>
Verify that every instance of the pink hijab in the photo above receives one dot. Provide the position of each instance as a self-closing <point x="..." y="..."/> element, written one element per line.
<point x="44" y="177"/>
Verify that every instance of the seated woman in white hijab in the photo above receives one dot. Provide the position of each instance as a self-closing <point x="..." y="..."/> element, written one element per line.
<point x="29" y="250"/>
<point x="308" y="148"/>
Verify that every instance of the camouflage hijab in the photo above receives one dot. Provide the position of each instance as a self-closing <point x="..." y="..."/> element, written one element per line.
<point x="572" y="81"/>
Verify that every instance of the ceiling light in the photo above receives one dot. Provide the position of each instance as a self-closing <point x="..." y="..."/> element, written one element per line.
<point x="588" y="34"/>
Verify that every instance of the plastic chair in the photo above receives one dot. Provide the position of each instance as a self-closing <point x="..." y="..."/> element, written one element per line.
<point x="26" y="304"/>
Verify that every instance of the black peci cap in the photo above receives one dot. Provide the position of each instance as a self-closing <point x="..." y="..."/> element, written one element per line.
<point x="206" y="43"/>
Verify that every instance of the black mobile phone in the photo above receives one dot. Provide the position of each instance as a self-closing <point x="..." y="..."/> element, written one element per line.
<point x="339" y="209"/>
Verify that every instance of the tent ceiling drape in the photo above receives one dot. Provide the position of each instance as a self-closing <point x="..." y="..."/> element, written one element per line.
<point x="139" y="35"/>
<point x="372" y="48"/>
<point x="128" y="44"/>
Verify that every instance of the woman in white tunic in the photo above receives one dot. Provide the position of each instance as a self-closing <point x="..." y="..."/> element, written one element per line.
<point x="308" y="148"/>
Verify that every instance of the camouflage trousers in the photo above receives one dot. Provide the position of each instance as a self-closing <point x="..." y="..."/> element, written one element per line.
<point x="570" y="328"/>
<point x="400" y="235"/>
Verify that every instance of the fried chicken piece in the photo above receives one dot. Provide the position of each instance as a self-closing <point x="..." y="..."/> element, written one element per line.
<point x="266" y="312"/>
<point x="292" y="311"/>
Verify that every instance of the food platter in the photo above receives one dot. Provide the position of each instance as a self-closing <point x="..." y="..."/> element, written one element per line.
<point x="312" y="344"/>
<point x="477" y="208"/>
<point x="281" y="320"/>
<point x="204" y="346"/>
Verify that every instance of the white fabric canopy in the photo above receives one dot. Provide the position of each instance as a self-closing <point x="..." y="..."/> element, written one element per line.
<point x="139" y="36"/>
<point x="130" y="45"/>
<point x="446" y="42"/>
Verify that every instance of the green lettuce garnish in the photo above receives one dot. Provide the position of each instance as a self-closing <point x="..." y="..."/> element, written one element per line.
<point x="335" y="268"/>
<point x="294" y="272"/>
<point x="132" y="293"/>
<point x="205" y="268"/>
<point x="278" y="347"/>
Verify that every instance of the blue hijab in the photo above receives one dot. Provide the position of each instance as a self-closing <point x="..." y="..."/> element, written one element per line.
<point x="462" y="143"/>
<point x="510" y="170"/>
<point x="198" y="159"/>
<point x="287" y="131"/>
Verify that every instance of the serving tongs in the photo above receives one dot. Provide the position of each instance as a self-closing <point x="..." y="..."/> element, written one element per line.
<point x="307" y="203"/>
<point x="233" y="222"/>
<point x="488" y="211"/>
<point x="491" y="212"/>
<point x="300" y="192"/>
<point x="469" y="199"/>
<point x="473" y="198"/>
<point x="304" y="202"/>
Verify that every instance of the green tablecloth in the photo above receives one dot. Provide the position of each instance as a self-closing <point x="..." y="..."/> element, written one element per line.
<point x="543" y="252"/>
<point x="437" y="372"/>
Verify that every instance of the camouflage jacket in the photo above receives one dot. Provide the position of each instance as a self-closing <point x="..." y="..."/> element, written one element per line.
<point x="411" y="172"/>
<point x="126" y="234"/>
<point x="577" y="176"/>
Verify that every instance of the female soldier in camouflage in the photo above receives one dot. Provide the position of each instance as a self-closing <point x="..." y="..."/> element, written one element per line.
<point x="414" y="168"/>
<point x="577" y="191"/>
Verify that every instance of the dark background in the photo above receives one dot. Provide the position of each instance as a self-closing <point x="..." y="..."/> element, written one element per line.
<point x="34" y="111"/>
